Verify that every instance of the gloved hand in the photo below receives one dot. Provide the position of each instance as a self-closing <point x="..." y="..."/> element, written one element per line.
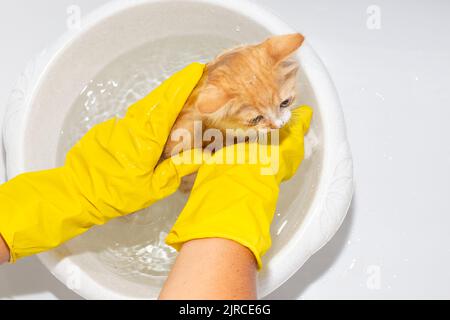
<point x="236" y="200"/>
<point x="112" y="171"/>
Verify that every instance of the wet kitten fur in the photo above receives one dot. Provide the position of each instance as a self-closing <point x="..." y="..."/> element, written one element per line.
<point x="246" y="87"/>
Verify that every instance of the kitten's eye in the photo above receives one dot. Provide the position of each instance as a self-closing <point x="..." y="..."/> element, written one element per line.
<point x="286" y="103"/>
<point x="256" y="120"/>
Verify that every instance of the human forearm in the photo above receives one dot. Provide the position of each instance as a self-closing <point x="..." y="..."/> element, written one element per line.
<point x="213" y="269"/>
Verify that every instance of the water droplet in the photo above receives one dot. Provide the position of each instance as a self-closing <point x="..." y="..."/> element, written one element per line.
<point x="379" y="95"/>
<point x="238" y="29"/>
<point x="283" y="225"/>
<point x="84" y="90"/>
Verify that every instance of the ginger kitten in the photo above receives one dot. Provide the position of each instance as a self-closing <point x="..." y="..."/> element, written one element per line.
<point x="247" y="87"/>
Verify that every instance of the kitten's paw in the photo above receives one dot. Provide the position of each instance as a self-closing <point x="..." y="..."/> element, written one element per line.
<point x="187" y="183"/>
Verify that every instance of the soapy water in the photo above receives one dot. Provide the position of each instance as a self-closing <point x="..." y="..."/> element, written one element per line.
<point x="134" y="245"/>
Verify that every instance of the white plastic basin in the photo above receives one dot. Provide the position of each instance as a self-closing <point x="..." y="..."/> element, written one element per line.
<point x="312" y="206"/>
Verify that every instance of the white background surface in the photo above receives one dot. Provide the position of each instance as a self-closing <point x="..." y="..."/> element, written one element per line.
<point x="394" y="84"/>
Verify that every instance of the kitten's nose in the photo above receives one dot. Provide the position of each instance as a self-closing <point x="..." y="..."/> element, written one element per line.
<point x="281" y="121"/>
<point x="276" y="124"/>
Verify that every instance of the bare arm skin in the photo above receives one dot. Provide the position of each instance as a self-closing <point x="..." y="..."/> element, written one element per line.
<point x="4" y="251"/>
<point x="212" y="269"/>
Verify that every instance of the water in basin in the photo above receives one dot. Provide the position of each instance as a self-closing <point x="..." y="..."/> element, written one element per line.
<point x="134" y="246"/>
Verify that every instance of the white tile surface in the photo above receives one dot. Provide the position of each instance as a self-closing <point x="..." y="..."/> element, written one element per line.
<point x="395" y="90"/>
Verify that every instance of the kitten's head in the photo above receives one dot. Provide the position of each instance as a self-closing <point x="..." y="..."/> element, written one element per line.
<point x="251" y="86"/>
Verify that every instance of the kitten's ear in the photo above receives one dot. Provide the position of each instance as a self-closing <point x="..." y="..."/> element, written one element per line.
<point x="211" y="99"/>
<point x="281" y="47"/>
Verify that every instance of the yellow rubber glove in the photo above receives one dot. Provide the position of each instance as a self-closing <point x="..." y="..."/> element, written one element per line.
<point x="109" y="173"/>
<point x="236" y="200"/>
